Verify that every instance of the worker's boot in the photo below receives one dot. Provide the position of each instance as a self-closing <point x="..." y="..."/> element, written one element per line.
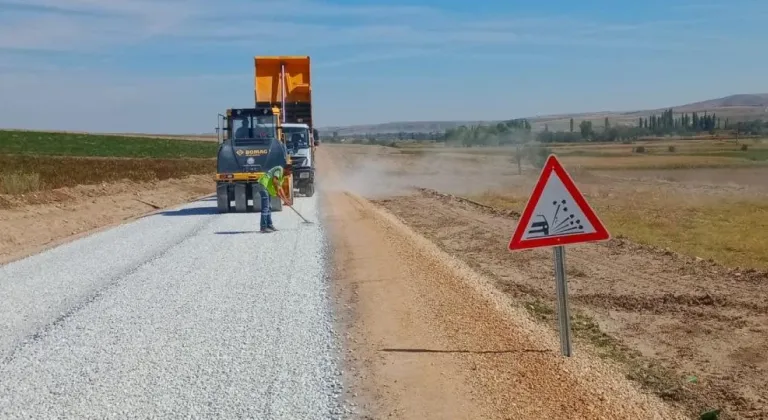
<point x="272" y="228"/>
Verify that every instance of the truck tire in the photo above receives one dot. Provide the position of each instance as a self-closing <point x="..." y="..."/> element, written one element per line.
<point x="276" y="204"/>
<point x="310" y="190"/>
<point x="241" y="200"/>
<point x="222" y="198"/>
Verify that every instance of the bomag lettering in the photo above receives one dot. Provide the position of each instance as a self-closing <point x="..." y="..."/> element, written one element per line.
<point x="256" y="152"/>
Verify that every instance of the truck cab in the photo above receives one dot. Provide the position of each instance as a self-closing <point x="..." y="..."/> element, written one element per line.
<point x="300" y="144"/>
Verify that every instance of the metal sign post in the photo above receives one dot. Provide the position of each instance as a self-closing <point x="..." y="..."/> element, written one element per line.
<point x="563" y="314"/>
<point x="557" y="214"/>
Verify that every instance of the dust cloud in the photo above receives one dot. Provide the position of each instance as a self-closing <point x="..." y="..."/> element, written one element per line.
<point x="378" y="172"/>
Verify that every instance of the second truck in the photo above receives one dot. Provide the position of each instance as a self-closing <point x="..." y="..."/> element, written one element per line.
<point x="284" y="82"/>
<point x="277" y="131"/>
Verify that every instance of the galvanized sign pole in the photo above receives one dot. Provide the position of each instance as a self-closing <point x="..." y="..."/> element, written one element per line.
<point x="557" y="214"/>
<point x="563" y="314"/>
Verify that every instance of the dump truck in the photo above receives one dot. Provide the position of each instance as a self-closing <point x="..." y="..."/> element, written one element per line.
<point x="284" y="82"/>
<point x="251" y="142"/>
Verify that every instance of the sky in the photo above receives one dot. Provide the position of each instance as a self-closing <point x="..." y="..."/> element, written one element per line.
<point x="170" y="66"/>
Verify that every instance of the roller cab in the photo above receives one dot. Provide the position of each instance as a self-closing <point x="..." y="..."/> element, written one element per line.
<point x="250" y="143"/>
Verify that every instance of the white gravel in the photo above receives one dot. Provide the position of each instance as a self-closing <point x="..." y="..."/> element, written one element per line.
<point x="181" y="315"/>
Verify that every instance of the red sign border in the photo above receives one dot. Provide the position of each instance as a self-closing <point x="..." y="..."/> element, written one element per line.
<point x="552" y="165"/>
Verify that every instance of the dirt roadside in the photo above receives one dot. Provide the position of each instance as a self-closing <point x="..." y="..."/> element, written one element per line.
<point x="41" y="220"/>
<point x="429" y="338"/>
<point x="689" y="330"/>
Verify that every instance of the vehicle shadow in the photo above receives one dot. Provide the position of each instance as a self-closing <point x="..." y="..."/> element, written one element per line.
<point x="190" y="211"/>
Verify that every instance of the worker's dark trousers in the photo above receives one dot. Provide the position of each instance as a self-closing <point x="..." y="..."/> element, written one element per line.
<point x="266" y="210"/>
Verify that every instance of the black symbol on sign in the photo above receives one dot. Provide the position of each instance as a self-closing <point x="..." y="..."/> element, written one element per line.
<point x="561" y="223"/>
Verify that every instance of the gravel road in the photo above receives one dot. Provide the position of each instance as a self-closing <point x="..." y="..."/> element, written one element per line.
<point x="185" y="313"/>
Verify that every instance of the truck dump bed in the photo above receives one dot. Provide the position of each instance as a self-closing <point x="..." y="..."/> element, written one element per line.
<point x="284" y="77"/>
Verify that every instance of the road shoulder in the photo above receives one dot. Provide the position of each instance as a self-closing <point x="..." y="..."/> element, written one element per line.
<point x="33" y="224"/>
<point x="429" y="338"/>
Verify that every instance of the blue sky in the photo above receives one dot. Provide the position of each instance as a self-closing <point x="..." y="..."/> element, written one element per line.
<point x="172" y="65"/>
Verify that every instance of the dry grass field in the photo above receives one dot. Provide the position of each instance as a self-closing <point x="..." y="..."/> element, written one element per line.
<point x="25" y="174"/>
<point x="707" y="199"/>
<point x="677" y="298"/>
<point x="33" y="161"/>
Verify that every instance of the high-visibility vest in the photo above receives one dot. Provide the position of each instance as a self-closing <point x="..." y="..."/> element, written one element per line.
<point x="267" y="182"/>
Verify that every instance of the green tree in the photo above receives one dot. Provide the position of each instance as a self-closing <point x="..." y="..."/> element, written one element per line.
<point x="586" y="129"/>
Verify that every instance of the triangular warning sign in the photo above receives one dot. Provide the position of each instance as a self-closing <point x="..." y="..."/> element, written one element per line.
<point x="556" y="213"/>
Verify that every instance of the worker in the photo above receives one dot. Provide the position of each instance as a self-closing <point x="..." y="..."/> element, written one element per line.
<point x="242" y="132"/>
<point x="297" y="140"/>
<point x="271" y="183"/>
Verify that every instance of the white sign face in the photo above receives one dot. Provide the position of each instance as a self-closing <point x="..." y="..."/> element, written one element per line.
<point x="556" y="213"/>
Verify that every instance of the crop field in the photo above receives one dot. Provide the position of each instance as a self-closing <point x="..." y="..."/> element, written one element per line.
<point x="676" y="298"/>
<point x="66" y="144"/>
<point x="38" y="161"/>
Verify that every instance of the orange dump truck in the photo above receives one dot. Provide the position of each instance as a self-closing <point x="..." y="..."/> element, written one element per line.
<point x="284" y="82"/>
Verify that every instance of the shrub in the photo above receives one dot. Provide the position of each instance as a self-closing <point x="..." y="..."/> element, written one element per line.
<point x="537" y="155"/>
<point x="19" y="182"/>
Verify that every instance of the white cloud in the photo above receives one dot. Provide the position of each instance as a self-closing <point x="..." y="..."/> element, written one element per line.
<point x="69" y="100"/>
<point x="98" y="25"/>
<point x="376" y="57"/>
<point x="82" y="25"/>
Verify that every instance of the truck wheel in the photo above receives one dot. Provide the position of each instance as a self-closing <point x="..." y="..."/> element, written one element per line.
<point x="241" y="200"/>
<point x="222" y="198"/>
<point x="310" y="191"/>
<point x="276" y="204"/>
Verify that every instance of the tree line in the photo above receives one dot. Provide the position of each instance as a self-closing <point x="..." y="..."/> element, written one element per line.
<point x="503" y="133"/>
<point x="519" y="131"/>
<point x="658" y="125"/>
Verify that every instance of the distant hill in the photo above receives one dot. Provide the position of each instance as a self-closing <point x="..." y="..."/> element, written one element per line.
<point x="741" y="100"/>
<point x="736" y="107"/>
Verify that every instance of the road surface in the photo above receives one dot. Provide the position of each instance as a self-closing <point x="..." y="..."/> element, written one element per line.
<point x="185" y="313"/>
